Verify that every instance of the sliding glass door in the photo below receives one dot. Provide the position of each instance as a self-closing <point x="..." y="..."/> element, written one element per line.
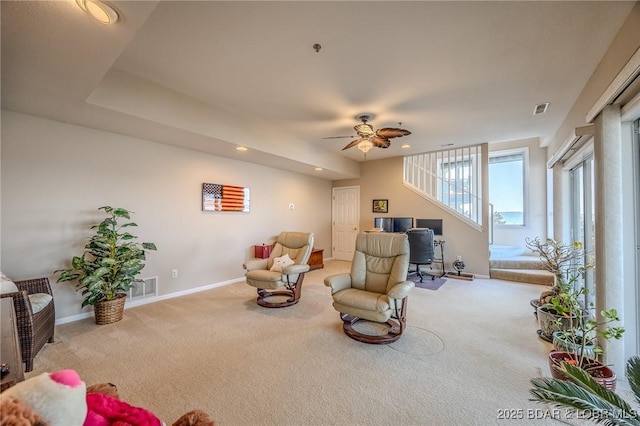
<point x="636" y="171"/>
<point x="583" y="215"/>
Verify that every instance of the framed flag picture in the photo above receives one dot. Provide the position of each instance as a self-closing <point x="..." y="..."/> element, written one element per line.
<point x="225" y="198"/>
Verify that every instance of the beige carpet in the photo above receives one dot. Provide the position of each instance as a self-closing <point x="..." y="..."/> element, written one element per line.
<point x="466" y="357"/>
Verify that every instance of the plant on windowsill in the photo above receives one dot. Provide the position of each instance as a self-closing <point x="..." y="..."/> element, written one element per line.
<point x="109" y="265"/>
<point x="584" y="396"/>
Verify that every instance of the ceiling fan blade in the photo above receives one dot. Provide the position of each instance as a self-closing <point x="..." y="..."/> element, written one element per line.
<point x="353" y="143"/>
<point x="392" y="132"/>
<point x="364" y="130"/>
<point x="380" y="142"/>
<point x="338" y="137"/>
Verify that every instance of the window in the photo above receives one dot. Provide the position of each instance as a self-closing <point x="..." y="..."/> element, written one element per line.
<point x="451" y="177"/>
<point x="507" y="171"/>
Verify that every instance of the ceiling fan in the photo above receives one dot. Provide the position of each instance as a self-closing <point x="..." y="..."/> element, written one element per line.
<point x="367" y="138"/>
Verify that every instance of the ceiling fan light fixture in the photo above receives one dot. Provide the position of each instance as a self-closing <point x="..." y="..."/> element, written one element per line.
<point x="100" y="11"/>
<point x="365" y="146"/>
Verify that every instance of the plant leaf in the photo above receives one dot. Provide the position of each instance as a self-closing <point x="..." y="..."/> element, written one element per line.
<point x="633" y="375"/>
<point x="582" y="392"/>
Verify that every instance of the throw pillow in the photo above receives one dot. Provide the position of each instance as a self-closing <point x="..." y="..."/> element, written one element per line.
<point x="7" y="285"/>
<point x="281" y="262"/>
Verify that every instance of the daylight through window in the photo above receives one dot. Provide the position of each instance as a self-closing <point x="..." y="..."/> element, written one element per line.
<point x="506" y="187"/>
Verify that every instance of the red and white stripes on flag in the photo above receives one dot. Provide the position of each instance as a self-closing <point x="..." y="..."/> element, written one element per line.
<point x="224" y="198"/>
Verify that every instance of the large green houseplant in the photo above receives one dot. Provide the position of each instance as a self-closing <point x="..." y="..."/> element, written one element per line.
<point x="111" y="261"/>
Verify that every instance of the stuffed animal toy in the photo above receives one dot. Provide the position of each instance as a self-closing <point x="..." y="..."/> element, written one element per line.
<point x="62" y="399"/>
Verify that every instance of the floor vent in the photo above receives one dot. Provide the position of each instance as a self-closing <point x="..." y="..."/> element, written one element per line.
<point x="144" y="290"/>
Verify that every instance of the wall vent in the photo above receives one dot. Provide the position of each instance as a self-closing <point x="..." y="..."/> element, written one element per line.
<point x="540" y="108"/>
<point x="144" y="290"/>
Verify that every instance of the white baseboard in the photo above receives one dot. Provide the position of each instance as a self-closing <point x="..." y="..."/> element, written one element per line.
<point x="132" y="304"/>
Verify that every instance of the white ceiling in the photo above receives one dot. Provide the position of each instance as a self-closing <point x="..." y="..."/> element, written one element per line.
<point x="211" y="75"/>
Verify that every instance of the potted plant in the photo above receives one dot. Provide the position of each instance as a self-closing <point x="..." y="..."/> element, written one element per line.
<point x="559" y="259"/>
<point x="109" y="265"/>
<point x="584" y="396"/>
<point x="577" y="343"/>
<point x="555" y="306"/>
<point x="558" y="312"/>
<point x="566" y="318"/>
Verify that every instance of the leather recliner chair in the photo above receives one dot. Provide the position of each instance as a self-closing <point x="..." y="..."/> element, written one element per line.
<point x="272" y="281"/>
<point x="376" y="289"/>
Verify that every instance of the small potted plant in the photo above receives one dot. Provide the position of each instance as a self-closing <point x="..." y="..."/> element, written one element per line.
<point x="109" y="265"/>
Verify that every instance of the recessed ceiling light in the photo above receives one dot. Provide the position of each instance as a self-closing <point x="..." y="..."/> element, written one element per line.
<point x="446" y="144"/>
<point x="318" y="169"/>
<point x="100" y="11"/>
<point x="405" y="146"/>
<point x="241" y="148"/>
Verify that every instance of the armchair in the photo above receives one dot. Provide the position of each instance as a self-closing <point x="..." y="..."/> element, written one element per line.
<point x="284" y="270"/>
<point x="376" y="289"/>
<point x="35" y="314"/>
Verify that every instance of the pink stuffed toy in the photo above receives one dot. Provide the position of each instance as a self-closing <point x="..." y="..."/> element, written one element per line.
<point x="62" y="399"/>
<point x="58" y="398"/>
<point x="106" y="410"/>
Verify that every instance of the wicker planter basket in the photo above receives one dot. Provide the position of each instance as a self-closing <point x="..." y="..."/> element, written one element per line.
<point x="109" y="311"/>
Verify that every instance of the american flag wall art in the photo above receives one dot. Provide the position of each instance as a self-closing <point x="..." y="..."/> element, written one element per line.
<point x="224" y="198"/>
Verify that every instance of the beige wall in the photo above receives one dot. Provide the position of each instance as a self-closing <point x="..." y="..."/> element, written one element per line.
<point x="56" y="175"/>
<point x="623" y="46"/>
<point x="382" y="179"/>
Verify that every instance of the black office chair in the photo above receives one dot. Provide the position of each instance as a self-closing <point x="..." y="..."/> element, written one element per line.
<point x="422" y="249"/>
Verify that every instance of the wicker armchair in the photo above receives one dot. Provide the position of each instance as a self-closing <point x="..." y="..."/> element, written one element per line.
<point x="34" y="329"/>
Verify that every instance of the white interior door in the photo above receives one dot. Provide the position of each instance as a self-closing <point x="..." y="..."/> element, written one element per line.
<point x="345" y="221"/>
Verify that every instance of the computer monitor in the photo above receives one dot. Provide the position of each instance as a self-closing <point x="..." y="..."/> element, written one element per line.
<point x="435" y="224"/>
<point x="384" y="223"/>
<point x="393" y="224"/>
<point x="402" y="224"/>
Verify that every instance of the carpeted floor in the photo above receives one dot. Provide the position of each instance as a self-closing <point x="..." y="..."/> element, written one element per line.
<point x="466" y="358"/>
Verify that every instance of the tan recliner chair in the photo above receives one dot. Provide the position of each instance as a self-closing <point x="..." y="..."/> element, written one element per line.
<point x="377" y="287"/>
<point x="276" y="272"/>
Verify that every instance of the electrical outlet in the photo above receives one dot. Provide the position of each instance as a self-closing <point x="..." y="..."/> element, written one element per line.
<point x="174" y="273"/>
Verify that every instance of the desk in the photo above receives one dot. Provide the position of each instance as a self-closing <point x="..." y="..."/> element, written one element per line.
<point x="10" y="344"/>
<point x="440" y="260"/>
